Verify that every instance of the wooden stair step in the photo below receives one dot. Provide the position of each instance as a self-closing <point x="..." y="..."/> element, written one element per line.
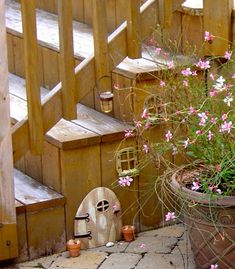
<point x="49" y="36"/>
<point x="33" y="195"/>
<point x="18" y="104"/>
<point x="109" y="128"/>
<point x="40" y="218"/>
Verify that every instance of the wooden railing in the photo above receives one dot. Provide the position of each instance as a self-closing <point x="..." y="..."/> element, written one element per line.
<point x="85" y="73"/>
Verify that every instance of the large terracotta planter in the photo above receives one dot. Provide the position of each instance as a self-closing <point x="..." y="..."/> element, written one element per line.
<point x="210" y="223"/>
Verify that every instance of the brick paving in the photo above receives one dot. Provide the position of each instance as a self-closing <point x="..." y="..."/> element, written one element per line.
<point x="164" y="248"/>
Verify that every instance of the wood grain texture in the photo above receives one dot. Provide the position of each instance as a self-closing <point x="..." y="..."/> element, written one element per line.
<point x="32" y="76"/>
<point x="104" y="224"/>
<point x="67" y="59"/>
<point x="78" y="178"/>
<point x="222" y="14"/>
<point x="133" y="29"/>
<point x="7" y="201"/>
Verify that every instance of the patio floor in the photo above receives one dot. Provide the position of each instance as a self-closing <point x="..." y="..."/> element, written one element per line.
<point x="164" y="248"/>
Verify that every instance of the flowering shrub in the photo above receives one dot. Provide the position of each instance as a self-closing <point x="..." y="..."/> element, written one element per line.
<point x="197" y="108"/>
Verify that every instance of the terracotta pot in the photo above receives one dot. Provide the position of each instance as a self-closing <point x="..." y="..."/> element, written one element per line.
<point x="74" y="246"/>
<point x="210" y="224"/>
<point x="128" y="232"/>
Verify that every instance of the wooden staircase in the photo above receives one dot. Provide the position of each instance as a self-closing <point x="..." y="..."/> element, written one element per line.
<point x="77" y="155"/>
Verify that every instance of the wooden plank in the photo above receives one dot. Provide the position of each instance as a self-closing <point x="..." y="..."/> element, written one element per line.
<point x="121" y="11"/>
<point x="111" y="15"/>
<point x="10" y="57"/>
<point x="67" y="135"/>
<point x="133" y="29"/>
<point x="7" y="201"/>
<point x="78" y="10"/>
<point x="51" y="167"/>
<point x="215" y="10"/>
<point x="18" y="54"/>
<point x="67" y="59"/>
<point x="78" y="179"/>
<point x="128" y="196"/>
<point x="100" y="31"/>
<point x="33" y="166"/>
<point x="88" y="12"/>
<point x="165" y="13"/>
<point x="32" y="78"/>
<point x="100" y="124"/>
<point x="46" y="232"/>
<point x="34" y="195"/>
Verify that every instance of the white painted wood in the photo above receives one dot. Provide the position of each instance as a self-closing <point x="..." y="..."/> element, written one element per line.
<point x="105" y="226"/>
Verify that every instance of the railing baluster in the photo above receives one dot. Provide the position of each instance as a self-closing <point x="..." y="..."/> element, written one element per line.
<point x="32" y="75"/>
<point x="133" y="29"/>
<point x="165" y="13"/>
<point x="100" y="33"/>
<point x="8" y="231"/>
<point x="67" y="63"/>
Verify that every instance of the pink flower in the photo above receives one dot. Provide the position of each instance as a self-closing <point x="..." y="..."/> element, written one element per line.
<point x="224" y="117"/>
<point x="196" y="186"/>
<point x="203" y="64"/>
<point x="138" y="124"/>
<point x="162" y="83"/>
<point x="208" y="36"/>
<point x="129" y="133"/>
<point x="142" y="245"/>
<point x="226" y="127"/>
<point x="192" y="110"/>
<point x="125" y="181"/>
<point x="144" y="114"/>
<point x="233" y="76"/>
<point x="185" y="83"/>
<point x="203" y="118"/>
<point x="213" y="120"/>
<point x="170" y="216"/>
<point x="170" y="65"/>
<point x="168" y="136"/>
<point x="212" y="93"/>
<point x="214" y="266"/>
<point x="194" y="73"/>
<point x="210" y="135"/>
<point x="145" y="148"/>
<point x="116" y="86"/>
<point x="158" y="51"/>
<point x="186" y="143"/>
<point x="186" y="72"/>
<point x="227" y="55"/>
<point x="212" y="76"/>
<point x="199" y="132"/>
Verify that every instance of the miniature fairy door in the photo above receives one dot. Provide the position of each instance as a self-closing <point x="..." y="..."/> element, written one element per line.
<point x="98" y="218"/>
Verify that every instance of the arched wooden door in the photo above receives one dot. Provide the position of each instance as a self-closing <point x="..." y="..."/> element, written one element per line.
<point x="98" y="218"/>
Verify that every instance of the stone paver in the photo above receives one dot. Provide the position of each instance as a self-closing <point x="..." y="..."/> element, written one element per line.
<point x="121" y="261"/>
<point x="117" y="248"/>
<point x="159" y="244"/>
<point x="163" y="261"/>
<point x="174" y="231"/>
<point x="43" y="262"/>
<point x="164" y="248"/>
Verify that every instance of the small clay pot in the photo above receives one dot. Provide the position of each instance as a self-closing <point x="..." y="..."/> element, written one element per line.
<point x="128" y="232"/>
<point x="74" y="246"/>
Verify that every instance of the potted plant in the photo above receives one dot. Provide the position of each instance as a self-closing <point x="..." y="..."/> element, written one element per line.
<point x="197" y="152"/>
<point x="128" y="232"/>
<point x="73" y="247"/>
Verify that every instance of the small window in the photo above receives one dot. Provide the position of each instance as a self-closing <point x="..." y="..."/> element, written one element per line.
<point x="102" y="206"/>
<point x="126" y="162"/>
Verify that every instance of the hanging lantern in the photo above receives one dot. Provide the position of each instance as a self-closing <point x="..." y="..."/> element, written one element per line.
<point x="105" y="95"/>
